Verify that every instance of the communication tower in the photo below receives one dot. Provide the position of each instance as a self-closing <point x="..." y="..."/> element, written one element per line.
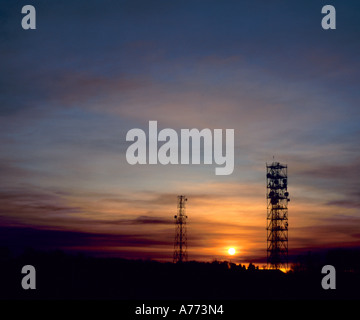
<point x="180" y="243"/>
<point x="277" y="215"/>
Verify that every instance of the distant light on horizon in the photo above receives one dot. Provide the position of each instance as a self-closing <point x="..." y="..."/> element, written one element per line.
<point x="231" y="251"/>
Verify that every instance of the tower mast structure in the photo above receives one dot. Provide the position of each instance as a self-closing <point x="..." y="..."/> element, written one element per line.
<point x="277" y="215"/>
<point x="180" y="242"/>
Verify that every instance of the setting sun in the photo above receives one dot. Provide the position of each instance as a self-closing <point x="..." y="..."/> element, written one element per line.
<point x="231" y="251"/>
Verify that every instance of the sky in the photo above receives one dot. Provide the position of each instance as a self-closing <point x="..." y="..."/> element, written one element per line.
<point x="93" y="70"/>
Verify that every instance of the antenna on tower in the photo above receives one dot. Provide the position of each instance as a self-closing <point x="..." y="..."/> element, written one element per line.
<point x="180" y="242"/>
<point x="277" y="215"/>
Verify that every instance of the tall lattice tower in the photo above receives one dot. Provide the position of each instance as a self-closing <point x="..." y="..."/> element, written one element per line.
<point x="277" y="216"/>
<point x="180" y="243"/>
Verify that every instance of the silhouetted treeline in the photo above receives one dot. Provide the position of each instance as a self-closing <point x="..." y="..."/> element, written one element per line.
<point x="64" y="276"/>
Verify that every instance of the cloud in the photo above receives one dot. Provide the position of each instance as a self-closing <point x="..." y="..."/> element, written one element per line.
<point x="345" y="203"/>
<point x="344" y="171"/>
<point x="18" y="238"/>
<point x="151" y="220"/>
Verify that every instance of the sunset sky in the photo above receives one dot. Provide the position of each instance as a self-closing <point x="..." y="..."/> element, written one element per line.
<point x="92" y="70"/>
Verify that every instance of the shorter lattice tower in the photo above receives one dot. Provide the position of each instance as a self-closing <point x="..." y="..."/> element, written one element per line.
<point x="180" y="242"/>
